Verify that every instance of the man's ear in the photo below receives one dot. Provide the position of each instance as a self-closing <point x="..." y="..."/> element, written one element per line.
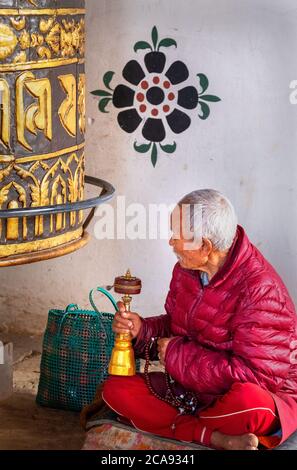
<point x="207" y="246"/>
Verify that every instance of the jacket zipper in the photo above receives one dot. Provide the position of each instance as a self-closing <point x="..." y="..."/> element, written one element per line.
<point x="196" y="303"/>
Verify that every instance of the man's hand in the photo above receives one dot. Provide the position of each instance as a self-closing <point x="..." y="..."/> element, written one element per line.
<point x="162" y="346"/>
<point x="126" y="322"/>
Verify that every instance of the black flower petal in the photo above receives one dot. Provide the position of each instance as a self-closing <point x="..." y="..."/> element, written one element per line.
<point x="129" y="120"/>
<point x="153" y="130"/>
<point x="188" y="97"/>
<point x="155" y="62"/>
<point x="177" y="72"/>
<point x="123" y="96"/>
<point x="178" y="121"/>
<point x="133" y="72"/>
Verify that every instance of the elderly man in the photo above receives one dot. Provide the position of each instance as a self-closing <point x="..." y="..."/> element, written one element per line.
<point x="229" y="338"/>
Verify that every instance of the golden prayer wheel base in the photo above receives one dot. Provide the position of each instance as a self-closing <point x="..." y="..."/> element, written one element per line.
<point x="122" y="371"/>
<point x="122" y="361"/>
<point x="43" y="255"/>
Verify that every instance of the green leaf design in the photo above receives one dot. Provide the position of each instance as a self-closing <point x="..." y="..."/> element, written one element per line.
<point x="107" y="79"/>
<point x="167" y="42"/>
<point x="143" y="148"/>
<point x="205" y="110"/>
<point x="154" y="155"/>
<point x="169" y="148"/>
<point x="101" y="93"/>
<point x="155" y="37"/>
<point x="103" y="103"/>
<point x="203" y="81"/>
<point x="142" y="45"/>
<point x="212" y="98"/>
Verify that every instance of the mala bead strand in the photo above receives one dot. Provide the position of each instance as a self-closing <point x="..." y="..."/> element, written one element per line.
<point x="186" y="403"/>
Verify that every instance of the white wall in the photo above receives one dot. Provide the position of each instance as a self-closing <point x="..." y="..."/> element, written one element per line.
<point x="246" y="149"/>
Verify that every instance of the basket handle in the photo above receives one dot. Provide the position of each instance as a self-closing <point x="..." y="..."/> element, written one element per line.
<point x="108" y="295"/>
<point x="104" y="292"/>
<point x="71" y="308"/>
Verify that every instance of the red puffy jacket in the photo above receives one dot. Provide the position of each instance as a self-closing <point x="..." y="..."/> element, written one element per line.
<point x="242" y="327"/>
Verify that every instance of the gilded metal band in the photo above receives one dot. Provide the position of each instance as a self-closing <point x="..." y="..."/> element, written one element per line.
<point x="46" y="11"/>
<point x="46" y="156"/>
<point x="42" y="255"/>
<point x="40" y="64"/>
<point x="36" y="245"/>
<point x="7" y="158"/>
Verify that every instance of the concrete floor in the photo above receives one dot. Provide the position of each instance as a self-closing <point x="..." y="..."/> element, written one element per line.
<point x="25" y="425"/>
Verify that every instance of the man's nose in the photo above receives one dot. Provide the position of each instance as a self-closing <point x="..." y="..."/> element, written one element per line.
<point x="171" y="241"/>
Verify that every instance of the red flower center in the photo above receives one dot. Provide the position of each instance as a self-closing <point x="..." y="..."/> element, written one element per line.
<point x="144" y="85"/>
<point x="140" y="96"/>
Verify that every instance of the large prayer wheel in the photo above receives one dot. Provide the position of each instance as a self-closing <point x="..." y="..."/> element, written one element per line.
<point x="42" y="127"/>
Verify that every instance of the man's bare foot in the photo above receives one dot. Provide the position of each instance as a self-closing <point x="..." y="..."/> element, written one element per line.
<point x="243" y="442"/>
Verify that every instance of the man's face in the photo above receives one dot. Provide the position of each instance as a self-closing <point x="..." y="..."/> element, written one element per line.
<point x="190" y="253"/>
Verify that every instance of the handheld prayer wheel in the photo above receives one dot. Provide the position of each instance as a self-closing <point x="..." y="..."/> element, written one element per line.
<point x="122" y="360"/>
<point x="42" y="129"/>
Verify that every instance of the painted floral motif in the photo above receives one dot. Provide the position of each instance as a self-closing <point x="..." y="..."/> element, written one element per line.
<point x="156" y="97"/>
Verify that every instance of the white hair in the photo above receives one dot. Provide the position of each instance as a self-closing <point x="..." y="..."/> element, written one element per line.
<point x="218" y="220"/>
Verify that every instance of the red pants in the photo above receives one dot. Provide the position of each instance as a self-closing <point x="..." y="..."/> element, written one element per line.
<point x="245" y="408"/>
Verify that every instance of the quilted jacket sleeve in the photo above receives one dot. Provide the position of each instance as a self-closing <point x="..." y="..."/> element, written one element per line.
<point x="157" y="326"/>
<point x="262" y="330"/>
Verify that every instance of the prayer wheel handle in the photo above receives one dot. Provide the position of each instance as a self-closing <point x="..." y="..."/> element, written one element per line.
<point x="122" y="361"/>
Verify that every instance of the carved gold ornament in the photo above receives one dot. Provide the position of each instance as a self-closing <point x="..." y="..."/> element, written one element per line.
<point x="82" y="102"/>
<point x="52" y="188"/>
<point x="67" y="110"/>
<point x="20" y="58"/>
<point x="8" y="41"/>
<point x="65" y="38"/>
<point x="53" y="38"/>
<point x="31" y="2"/>
<point x="68" y="40"/>
<point x="6" y="167"/>
<point x="46" y="25"/>
<point x="18" y="23"/>
<point x="44" y="52"/>
<point x="24" y="40"/>
<point x="4" y="114"/>
<point x="12" y="230"/>
<point x="36" y="40"/>
<point x="36" y="116"/>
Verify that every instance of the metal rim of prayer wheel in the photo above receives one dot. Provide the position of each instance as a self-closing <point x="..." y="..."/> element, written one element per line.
<point x="107" y="191"/>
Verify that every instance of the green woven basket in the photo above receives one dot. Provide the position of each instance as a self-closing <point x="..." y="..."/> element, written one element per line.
<point x="77" y="347"/>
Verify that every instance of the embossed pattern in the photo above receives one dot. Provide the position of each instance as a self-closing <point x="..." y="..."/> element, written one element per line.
<point x="42" y="119"/>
